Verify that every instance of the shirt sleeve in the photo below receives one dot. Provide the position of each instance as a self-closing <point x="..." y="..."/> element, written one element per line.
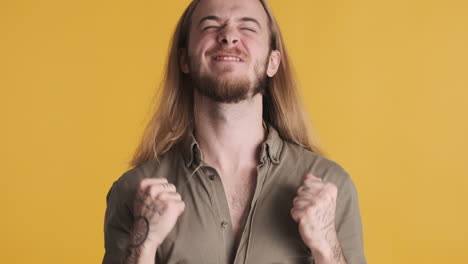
<point x="348" y="223"/>
<point x="118" y="222"/>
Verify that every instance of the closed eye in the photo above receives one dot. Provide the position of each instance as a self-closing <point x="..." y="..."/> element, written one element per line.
<point x="249" y="29"/>
<point x="208" y="27"/>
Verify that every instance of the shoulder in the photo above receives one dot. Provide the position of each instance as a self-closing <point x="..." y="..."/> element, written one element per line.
<point x="312" y="160"/>
<point x="325" y="168"/>
<point x="320" y="166"/>
<point x="134" y="175"/>
<point x="123" y="189"/>
<point x="125" y="186"/>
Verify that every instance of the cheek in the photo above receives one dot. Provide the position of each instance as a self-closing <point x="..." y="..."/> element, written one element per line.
<point x="199" y="45"/>
<point x="257" y="49"/>
<point x="198" y="55"/>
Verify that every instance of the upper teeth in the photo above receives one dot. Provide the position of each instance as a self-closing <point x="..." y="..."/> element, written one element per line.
<point x="227" y="58"/>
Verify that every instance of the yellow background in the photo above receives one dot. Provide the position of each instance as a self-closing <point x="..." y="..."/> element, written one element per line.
<point x="385" y="84"/>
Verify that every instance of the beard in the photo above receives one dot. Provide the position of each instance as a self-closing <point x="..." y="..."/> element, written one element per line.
<point x="222" y="89"/>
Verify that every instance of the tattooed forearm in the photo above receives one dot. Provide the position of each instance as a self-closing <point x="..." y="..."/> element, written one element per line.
<point x="133" y="255"/>
<point x="140" y="232"/>
<point x="157" y="206"/>
<point x="137" y="238"/>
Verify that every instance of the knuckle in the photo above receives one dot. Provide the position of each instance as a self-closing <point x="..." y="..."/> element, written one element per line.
<point x="332" y="188"/>
<point x="142" y="184"/>
<point x="310" y="209"/>
<point x="294" y="213"/>
<point x="153" y="191"/>
<point x="163" y="205"/>
<point x="148" y="191"/>
<point x="182" y="205"/>
<point x="322" y="194"/>
<point x="313" y="201"/>
<point x="171" y="203"/>
<point x="160" y="196"/>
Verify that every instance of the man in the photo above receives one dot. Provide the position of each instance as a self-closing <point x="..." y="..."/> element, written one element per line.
<point x="226" y="172"/>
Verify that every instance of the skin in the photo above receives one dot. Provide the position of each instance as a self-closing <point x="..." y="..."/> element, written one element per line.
<point x="223" y="27"/>
<point x="230" y="30"/>
<point x="157" y="206"/>
<point x="314" y="210"/>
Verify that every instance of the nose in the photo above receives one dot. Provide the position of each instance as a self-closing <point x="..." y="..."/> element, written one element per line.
<point x="228" y="36"/>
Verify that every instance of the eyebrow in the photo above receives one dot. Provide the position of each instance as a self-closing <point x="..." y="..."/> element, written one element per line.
<point x="218" y="19"/>
<point x="250" y="19"/>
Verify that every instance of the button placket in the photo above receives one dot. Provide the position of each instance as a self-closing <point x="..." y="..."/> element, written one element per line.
<point x="241" y="257"/>
<point x="221" y="212"/>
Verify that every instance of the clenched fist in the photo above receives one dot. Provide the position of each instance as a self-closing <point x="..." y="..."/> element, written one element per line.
<point x="157" y="206"/>
<point x="314" y="210"/>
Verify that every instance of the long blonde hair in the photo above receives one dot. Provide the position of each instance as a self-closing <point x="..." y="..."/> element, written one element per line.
<point x="173" y="118"/>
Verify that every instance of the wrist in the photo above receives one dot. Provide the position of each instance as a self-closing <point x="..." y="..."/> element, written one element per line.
<point x="149" y="248"/>
<point x="321" y="255"/>
<point x="153" y="241"/>
<point x="323" y="250"/>
<point x="143" y="253"/>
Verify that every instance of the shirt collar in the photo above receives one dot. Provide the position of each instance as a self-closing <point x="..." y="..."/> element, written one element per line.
<point x="271" y="148"/>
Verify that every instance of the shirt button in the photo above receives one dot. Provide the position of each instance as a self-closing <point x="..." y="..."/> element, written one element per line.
<point x="212" y="177"/>
<point x="224" y="224"/>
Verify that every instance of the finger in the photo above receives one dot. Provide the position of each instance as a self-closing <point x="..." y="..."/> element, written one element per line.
<point x="165" y="196"/>
<point x="331" y="188"/>
<point x="151" y="181"/>
<point x="302" y="202"/>
<point x="296" y="214"/>
<point x="309" y="190"/>
<point x="313" y="182"/>
<point x="155" y="190"/>
<point x="310" y="176"/>
<point x="306" y="196"/>
<point x="172" y="205"/>
<point x="180" y="205"/>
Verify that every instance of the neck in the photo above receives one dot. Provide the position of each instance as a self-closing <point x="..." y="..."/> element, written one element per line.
<point x="230" y="135"/>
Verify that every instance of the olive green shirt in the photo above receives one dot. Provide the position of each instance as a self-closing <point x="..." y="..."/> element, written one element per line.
<point x="203" y="233"/>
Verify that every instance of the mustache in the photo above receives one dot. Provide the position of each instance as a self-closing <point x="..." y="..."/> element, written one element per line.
<point x="233" y="51"/>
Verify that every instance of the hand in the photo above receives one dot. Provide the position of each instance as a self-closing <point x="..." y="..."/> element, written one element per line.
<point x="157" y="207"/>
<point x="314" y="210"/>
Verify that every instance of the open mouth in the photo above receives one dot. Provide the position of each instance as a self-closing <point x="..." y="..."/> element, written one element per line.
<point x="227" y="58"/>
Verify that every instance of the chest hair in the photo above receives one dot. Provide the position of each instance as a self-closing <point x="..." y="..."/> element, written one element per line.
<point x="239" y="198"/>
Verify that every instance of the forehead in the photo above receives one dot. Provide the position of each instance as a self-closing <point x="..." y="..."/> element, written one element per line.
<point x="226" y="9"/>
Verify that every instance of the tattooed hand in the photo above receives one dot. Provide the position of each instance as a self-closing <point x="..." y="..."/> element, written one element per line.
<point x="314" y="210"/>
<point x="157" y="207"/>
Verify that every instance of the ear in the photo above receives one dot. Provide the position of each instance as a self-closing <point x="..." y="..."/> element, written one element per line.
<point x="273" y="63"/>
<point x="183" y="61"/>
